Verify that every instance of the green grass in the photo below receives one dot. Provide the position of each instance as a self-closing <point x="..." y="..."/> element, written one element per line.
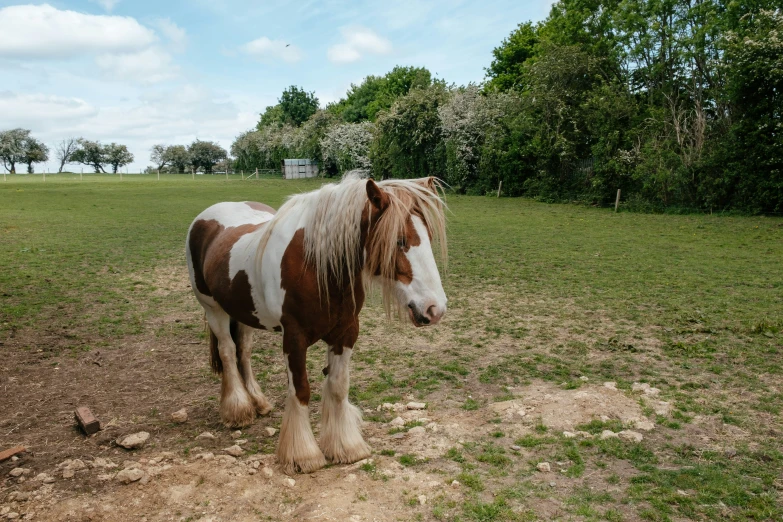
<point x="691" y="304"/>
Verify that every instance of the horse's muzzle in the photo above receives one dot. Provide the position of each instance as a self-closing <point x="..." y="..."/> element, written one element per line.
<point x="430" y="317"/>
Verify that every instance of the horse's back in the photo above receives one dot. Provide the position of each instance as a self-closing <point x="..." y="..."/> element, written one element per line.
<point x="220" y="251"/>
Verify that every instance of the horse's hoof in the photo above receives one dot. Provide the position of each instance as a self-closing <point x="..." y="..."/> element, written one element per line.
<point x="263" y="408"/>
<point x="347" y="455"/>
<point x="306" y="465"/>
<point x="237" y="413"/>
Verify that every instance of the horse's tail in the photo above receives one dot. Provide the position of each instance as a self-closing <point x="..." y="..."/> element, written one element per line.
<point x="214" y="352"/>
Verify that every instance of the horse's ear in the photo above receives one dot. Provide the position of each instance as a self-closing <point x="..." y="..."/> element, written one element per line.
<point x="378" y="198"/>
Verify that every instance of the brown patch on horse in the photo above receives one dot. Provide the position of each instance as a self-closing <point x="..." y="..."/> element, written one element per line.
<point x="307" y="319"/>
<point x="260" y="207"/>
<point x="202" y="235"/>
<point x="404" y="272"/>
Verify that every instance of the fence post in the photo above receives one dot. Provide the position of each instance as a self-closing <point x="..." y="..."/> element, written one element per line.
<point x="500" y="186"/>
<point x="44" y="175"/>
<point x="81" y="175"/>
<point x="256" y="172"/>
<point x="617" y="201"/>
<point x="226" y="173"/>
<point x="243" y="175"/>
<point x="192" y="173"/>
<point x="158" y="174"/>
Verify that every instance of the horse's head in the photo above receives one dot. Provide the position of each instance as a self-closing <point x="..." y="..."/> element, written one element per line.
<point x="404" y="219"/>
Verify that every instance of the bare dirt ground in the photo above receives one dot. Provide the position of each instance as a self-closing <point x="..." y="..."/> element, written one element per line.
<point x="137" y="381"/>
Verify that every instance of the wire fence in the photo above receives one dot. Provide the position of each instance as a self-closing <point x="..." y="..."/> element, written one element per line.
<point x="41" y="177"/>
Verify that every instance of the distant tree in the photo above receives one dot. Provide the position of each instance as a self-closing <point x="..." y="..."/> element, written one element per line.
<point x="117" y="156"/>
<point x="159" y="156"/>
<point x="12" y="146"/>
<point x="348" y="146"/>
<point x="205" y="155"/>
<point x="34" y="152"/>
<point x="90" y="153"/>
<point x="178" y="157"/>
<point x="64" y="150"/>
<point x="297" y="105"/>
<point x="506" y="70"/>
<point x="271" y="117"/>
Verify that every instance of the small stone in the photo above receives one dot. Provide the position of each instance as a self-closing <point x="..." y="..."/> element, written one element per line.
<point x="240" y="442"/>
<point x="662" y="408"/>
<point x="75" y="464"/>
<point x="569" y="434"/>
<point x="234" y="451"/>
<point x="68" y="473"/>
<point x="611" y="385"/>
<point x="604" y="418"/>
<point x="255" y="464"/>
<point x="730" y="453"/>
<point x="206" y="436"/>
<point x="584" y="434"/>
<point x="267" y="472"/>
<point x="584" y="378"/>
<point x="422" y="499"/>
<point x="608" y="434"/>
<point x="14" y="458"/>
<point x="521" y="412"/>
<point x="127" y="476"/>
<point x="433" y="427"/>
<point x="45" y="478"/>
<point x="206" y="456"/>
<point x="180" y="416"/>
<point x="351" y="477"/>
<point x="289" y="482"/>
<point x="417" y="430"/>
<point x="633" y="436"/>
<point x="416" y="405"/>
<point x="134" y="441"/>
<point x="398" y="421"/>
<point x="12" y="515"/>
<point x="400" y="435"/>
<point x="22" y="496"/>
<point x="639" y="386"/>
<point x="455" y="484"/>
<point x="516" y="448"/>
<point x="270" y="432"/>
<point x="251" y="471"/>
<point x="388" y="406"/>
<point x="544" y="467"/>
<point x="103" y="477"/>
<point x="682" y="493"/>
<point x="644" y="425"/>
<point x="552" y="484"/>
<point x="16" y="472"/>
<point x="4" y="510"/>
<point x="236" y="434"/>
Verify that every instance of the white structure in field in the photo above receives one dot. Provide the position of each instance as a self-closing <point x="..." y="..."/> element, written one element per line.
<point x="299" y="168"/>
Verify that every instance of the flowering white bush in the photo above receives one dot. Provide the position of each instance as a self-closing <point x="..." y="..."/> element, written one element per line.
<point x="348" y="145"/>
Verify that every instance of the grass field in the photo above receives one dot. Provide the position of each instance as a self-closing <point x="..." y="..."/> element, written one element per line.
<point x="553" y="295"/>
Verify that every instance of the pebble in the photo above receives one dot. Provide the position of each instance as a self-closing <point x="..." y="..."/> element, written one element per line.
<point x="45" y="478"/>
<point x="585" y="434"/>
<point x="544" y="467"/>
<point x="584" y="378"/>
<point x="289" y="482"/>
<point x="644" y="425"/>
<point x="569" y="434"/>
<point x="552" y="484"/>
<point x="180" y="416"/>
<point x="398" y="421"/>
<point x="455" y="484"/>
<point x="127" y="476"/>
<point x="730" y="453"/>
<point x="611" y="385"/>
<point x="206" y="456"/>
<point x="662" y="408"/>
<point x="608" y="434"/>
<point x="644" y="388"/>
<point x="16" y="472"/>
<point x="236" y="434"/>
<point x="68" y="473"/>
<point x="416" y="405"/>
<point x="516" y="448"/>
<point x="433" y="427"/>
<point x="12" y="515"/>
<point x="521" y="413"/>
<point x="417" y="430"/>
<point x="398" y="436"/>
<point x="633" y="436"/>
<point x="134" y="441"/>
<point x="240" y="442"/>
<point x="267" y="472"/>
<point x="682" y="493"/>
<point x="351" y="477"/>
<point x="206" y="435"/>
<point x="422" y="500"/>
<point x="270" y="432"/>
<point x="235" y="451"/>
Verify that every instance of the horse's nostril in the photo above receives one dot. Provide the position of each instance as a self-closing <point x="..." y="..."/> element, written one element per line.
<point x="431" y="311"/>
<point x="410" y="305"/>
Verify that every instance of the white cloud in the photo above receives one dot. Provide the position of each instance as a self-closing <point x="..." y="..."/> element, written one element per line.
<point x="33" y="110"/>
<point x="43" y="31"/>
<point x="175" y="34"/>
<point x="151" y="65"/>
<point x="264" y="48"/>
<point x="106" y="4"/>
<point x="357" y="42"/>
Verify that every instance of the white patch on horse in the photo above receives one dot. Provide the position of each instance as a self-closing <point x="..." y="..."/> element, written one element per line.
<point x="297" y="449"/>
<point x="233" y="214"/>
<point x="425" y="290"/>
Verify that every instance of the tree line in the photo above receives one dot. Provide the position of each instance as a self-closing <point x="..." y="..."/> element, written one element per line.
<point x="19" y="147"/>
<point x="677" y="103"/>
<point x="199" y="156"/>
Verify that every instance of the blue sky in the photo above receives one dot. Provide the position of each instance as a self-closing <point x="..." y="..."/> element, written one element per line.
<point x="140" y="72"/>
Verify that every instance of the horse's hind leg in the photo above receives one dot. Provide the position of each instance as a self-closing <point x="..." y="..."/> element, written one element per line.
<point x="244" y="349"/>
<point x="341" y="432"/>
<point x="236" y="407"/>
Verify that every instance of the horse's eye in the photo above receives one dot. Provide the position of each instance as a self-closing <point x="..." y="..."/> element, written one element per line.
<point x="401" y="242"/>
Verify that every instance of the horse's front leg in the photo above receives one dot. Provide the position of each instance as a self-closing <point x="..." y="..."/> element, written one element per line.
<point x="341" y="421"/>
<point x="244" y="352"/>
<point x="297" y="450"/>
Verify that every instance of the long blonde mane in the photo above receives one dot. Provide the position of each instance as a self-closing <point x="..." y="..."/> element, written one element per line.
<point x="332" y="220"/>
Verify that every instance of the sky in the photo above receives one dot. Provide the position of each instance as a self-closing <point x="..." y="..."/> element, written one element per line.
<point x="141" y="72"/>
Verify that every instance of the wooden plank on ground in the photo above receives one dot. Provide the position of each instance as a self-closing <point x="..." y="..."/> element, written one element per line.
<point x="7" y="454"/>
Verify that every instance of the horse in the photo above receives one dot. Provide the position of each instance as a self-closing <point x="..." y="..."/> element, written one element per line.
<point x="305" y="271"/>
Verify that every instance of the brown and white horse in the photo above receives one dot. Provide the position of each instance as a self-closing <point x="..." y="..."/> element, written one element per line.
<point x="304" y="270"/>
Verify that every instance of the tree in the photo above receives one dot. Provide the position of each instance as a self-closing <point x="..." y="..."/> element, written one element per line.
<point x="117" y="156"/>
<point x="34" y="152"/>
<point x="90" y="153"/>
<point x="12" y="146"/>
<point x="64" y="151"/>
<point x="159" y="156"/>
<point x="348" y="146"/>
<point x="205" y="155"/>
<point x="272" y="116"/>
<point x="297" y="105"/>
<point x="178" y="157"/>
<point x="507" y="68"/>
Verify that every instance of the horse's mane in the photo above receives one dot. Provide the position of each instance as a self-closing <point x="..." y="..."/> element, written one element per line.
<point x="332" y="218"/>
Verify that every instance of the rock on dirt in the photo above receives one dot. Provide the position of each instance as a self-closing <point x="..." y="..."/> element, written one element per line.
<point x="397" y="421"/>
<point x="134" y="441"/>
<point x="16" y="472"/>
<point x="416" y="405"/>
<point x="206" y="436"/>
<point x="544" y="467"/>
<point x="644" y="425"/>
<point x="644" y="388"/>
<point x="422" y="500"/>
<point x="268" y="473"/>
<point x="234" y="451"/>
<point x="180" y="416"/>
<point x="270" y="432"/>
<point x="127" y="476"/>
<point x="569" y="434"/>
<point x="608" y="434"/>
<point x="417" y="430"/>
<point x="633" y="436"/>
<point x="289" y="482"/>
<point x="236" y="434"/>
